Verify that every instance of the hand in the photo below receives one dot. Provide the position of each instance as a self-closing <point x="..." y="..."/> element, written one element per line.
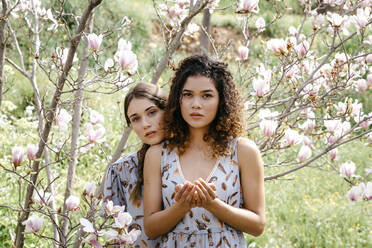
<point x="185" y="195"/>
<point x="206" y="193"/>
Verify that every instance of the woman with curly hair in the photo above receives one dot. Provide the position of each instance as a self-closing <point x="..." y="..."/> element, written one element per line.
<point x="144" y="110"/>
<point x="204" y="187"/>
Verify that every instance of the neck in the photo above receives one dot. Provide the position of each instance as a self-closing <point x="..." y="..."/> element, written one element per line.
<point x="196" y="137"/>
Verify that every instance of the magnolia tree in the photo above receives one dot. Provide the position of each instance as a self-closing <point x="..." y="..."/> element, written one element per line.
<point x="301" y="97"/>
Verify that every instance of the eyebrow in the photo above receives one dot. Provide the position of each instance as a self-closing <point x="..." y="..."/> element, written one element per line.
<point x="145" y="111"/>
<point x="204" y="91"/>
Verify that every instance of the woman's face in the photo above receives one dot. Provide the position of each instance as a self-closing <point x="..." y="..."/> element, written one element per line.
<point x="146" y="120"/>
<point x="199" y="101"/>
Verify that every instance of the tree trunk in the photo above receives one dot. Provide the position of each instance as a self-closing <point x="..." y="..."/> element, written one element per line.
<point x="49" y="121"/>
<point x="2" y="47"/>
<point x="204" y="39"/>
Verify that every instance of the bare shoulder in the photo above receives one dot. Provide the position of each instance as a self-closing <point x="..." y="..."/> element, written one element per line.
<point x="247" y="146"/>
<point x="153" y="153"/>
<point x="248" y="153"/>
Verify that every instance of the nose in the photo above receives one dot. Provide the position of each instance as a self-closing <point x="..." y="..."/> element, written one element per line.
<point x="145" y="123"/>
<point x="196" y="103"/>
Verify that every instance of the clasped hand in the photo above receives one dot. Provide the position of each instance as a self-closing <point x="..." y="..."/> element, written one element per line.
<point x="197" y="194"/>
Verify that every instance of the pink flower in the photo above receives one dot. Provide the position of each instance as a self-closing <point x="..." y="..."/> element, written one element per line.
<point x="175" y="11"/>
<point x="94" y="41"/>
<point x="369" y="58"/>
<point x="31" y="151"/>
<point x="124" y="45"/>
<point x="307" y="141"/>
<point x="347" y="169"/>
<point x="361" y="85"/>
<point x="369" y="79"/>
<point x="87" y="225"/>
<point x="355" y="194"/>
<point x="368" y="191"/>
<point x="261" y="86"/>
<point x="335" y="19"/>
<point x="96" y="117"/>
<point x="72" y="203"/>
<point x="89" y="189"/>
<point x="246" y="6"/>
<point x="108" y="64"/>
<point x="332" y="125"/>
<point x="243" y="52"/>
<point x="43" y="198"/>
<point x="62" y="119"/>
<point x="303" y="48"/>
<point x="341" y="108"/>
<point x="95" y="136"/>
<point x="128" y="61"/>
<point x="260" y="24"/>
<point x="17" y="155"/>
<point x="182" y="3"/>
<point x="356" y="109"/>
<point x="292" y="136"/>
<point x="308" y="125"/>
<point x="122" y="220"/>
<point x="333" y="153"/>
<point x="304" y="153"/>
<point x="277" y="46"/>
<point x="33" y="223"/>
<point x="361" y="18"/>
<point x="268" y="127"/>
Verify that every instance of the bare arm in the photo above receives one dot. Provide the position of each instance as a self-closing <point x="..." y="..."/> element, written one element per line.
<point x="156" y="220"/>
<point x="251" y="218"/>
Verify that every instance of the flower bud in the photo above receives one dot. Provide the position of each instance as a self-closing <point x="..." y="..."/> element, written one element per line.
<point x="17" y="155"/>
<point x="31" y="151"/>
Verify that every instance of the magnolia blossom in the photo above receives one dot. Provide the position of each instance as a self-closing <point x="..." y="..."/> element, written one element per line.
<point x="31" y="151"/>
<point x="89" y="189"/>
<point x="356" y="109"/>
<point x="292" y="137"/>
<point x="369" y="58"/>
<point x="33" y="223"/>
<point x="332" y="125"/>
<point x="246" y="6"/>
<point x="88" y="226"/>
<point x="94" y="41"/>
<point x="108" y="64"/>
<point x="95" y="136"/>
<point x="260" y="24"/>
<point x="43" y="198"/>
<point x="361" y="18"/>
<point x="124" y="45"/>
<point x="110" y="209"/>
<point x="347" y="169"/>
<point x="341" y="108"/>
<point x="369" y="79"/>
<point x="308" y="125"/>
<point x="261" y="86"/>
<point x="303" y="48"/>
<point x="333" y="153"/>
<point x="128" y="61"/>
<point x="336" y="20"/>
<point x="268" y="127"/>
<point x="368" y="191"/>
<point x="72" y="203"/>
<point x="243" y="52"/>
<point x="292" y="30"/>
<point x="95" y="117"/>
<point x="278" y="46"/>
<point x="191" y="29"/>
<point x="355" y="194"/>
<point x="130" y="237"/>
<point x="307" y="141"/>
<point x="122" y="220"/>
<point x="304" y="153"/>
<point x="17" y="155"/>
<point x="62" y="119"/>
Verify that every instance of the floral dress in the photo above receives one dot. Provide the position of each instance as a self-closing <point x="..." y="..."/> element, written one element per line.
<point x="199" y="227"/>
<point x="121" y="178"/>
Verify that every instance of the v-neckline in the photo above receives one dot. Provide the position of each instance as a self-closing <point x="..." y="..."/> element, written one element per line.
<point x="181" y="172"/>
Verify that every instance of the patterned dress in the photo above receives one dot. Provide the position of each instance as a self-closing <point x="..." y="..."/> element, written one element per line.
<point x="121" y="177"/>
<point x="199" y="227"/>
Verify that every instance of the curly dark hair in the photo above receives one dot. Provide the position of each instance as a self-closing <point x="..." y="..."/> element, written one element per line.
<point x="228" y="122"/>
<point x="159" y="98"/>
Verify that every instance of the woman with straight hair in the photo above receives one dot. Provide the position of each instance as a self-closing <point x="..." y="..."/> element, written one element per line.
<point x="204" y="186"/>
<point x="144" y="109"/>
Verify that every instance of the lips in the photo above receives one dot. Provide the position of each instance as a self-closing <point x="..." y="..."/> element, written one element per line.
<point x="150" y="134"/>
<point x="196" y="115"/>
